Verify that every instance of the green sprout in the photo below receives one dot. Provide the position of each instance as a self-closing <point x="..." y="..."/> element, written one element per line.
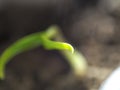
<point x="75" y="59"/>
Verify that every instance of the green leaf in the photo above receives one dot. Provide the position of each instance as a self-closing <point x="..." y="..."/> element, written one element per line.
<point x="55" y="45"/>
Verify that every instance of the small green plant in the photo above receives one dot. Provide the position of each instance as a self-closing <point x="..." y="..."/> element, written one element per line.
<point x="75" y="59"/>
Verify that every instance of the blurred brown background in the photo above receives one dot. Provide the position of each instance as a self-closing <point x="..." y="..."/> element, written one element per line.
<point x="92" y="26"/>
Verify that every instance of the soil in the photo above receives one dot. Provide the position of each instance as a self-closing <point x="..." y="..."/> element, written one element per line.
<point x="92" y="32"/>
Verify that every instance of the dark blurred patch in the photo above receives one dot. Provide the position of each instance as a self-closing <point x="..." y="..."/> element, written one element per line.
<point x="86" y="3"/>
<point x="4" y="37"/>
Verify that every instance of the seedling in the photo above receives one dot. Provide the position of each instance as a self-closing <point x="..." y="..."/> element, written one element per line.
<point x="75" y="59"/>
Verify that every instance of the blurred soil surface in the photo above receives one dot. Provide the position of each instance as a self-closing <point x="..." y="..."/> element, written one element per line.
<point x="93" y="33"/>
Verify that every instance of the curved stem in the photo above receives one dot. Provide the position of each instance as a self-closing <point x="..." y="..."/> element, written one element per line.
<point x="21" y="45"/>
